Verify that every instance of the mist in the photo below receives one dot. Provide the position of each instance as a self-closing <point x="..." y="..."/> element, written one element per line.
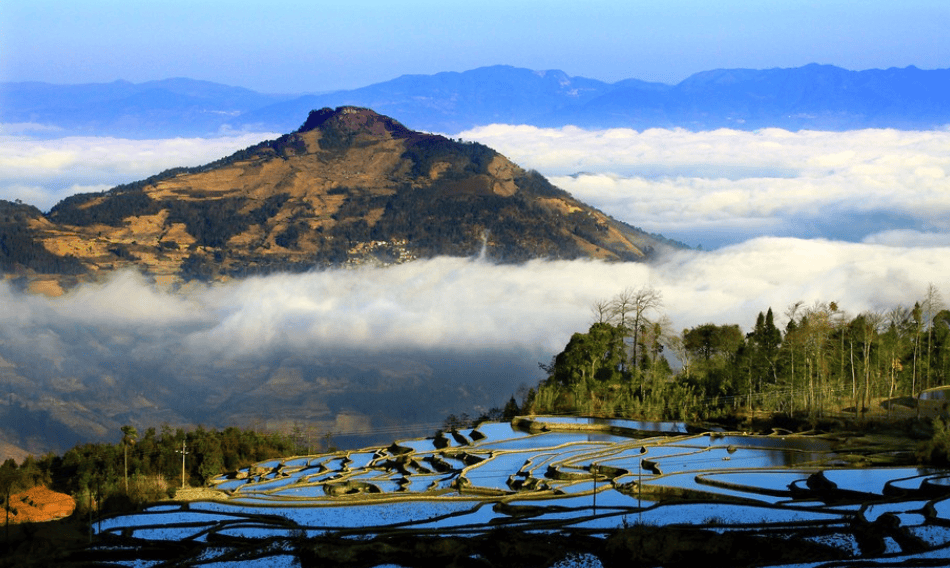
<point x="859" y="218"/>
<point x="388" y="352"/>
<point x="457" y="304"/>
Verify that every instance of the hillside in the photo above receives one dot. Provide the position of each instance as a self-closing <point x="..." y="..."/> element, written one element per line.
<point x="349" y="187"/>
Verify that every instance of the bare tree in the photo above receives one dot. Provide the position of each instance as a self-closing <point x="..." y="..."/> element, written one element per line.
<point x="602" y="310"/>
<point x="677" y="345"/>
<point x="933" y="304"/>
<point x="620" y="306"/>
<point x="632" y="307"/>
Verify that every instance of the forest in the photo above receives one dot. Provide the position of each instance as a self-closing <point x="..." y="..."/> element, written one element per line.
<point x="144" y="468"/>
<point x="822" y="360"/>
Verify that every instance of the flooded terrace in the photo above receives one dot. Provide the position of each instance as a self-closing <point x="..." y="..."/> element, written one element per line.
<point x="566" y="478"/>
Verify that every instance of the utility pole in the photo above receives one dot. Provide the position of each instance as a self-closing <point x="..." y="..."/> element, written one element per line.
<point x="643" y="450"/>
<point x="99" y="501"/>
<point x="593" y="470"/>
<point x="183" y="453"/>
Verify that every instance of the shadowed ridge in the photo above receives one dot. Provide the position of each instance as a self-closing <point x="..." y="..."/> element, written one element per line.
<point x="353" y="120"/>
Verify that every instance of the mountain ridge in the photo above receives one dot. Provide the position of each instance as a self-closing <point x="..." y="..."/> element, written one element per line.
<point x="814" y="96"/>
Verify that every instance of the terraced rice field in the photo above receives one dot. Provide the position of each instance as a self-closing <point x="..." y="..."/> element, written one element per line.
<point x="582" y="484"/>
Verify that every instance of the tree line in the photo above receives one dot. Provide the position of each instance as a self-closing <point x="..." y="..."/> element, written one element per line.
<point x="822" y="359"/>
<point x="143" y="468"/>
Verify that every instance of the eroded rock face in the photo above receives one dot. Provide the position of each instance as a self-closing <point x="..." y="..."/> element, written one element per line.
<point x="349" y="187"/>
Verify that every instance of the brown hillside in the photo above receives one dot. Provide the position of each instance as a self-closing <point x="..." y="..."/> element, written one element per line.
<point x="349" y="187"/>
<point x="38" y="505"/>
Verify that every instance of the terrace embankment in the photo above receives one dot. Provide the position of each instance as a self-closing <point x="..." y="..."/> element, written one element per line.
<point x="629" y="428"/>
<point x="879" y="439"/>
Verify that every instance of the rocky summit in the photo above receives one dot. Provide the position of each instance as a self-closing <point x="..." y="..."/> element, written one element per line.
<point x="349" y="187"/>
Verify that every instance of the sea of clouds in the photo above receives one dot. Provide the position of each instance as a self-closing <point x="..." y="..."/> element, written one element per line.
<point x="860" y="218"/>
<point x="727" y="186"/>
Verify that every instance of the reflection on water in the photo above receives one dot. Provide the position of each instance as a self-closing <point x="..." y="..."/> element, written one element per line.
<point x="640" y="425"/>
<point x="559" y="476"/>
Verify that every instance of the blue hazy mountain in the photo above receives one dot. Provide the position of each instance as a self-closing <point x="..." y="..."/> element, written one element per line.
<point x="170" y="107"/>
<point x="450" y="102"/>
<point x="818" y="97"/>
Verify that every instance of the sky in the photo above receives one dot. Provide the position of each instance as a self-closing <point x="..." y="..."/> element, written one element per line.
<point x="301" y="46"/>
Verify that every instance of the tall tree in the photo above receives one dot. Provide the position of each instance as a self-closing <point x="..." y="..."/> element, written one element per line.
<point x="933" y="304"/>
<point x="716" y="347"/>
<point x="129" y="436"/>
<point x="816" y="325"/>
<point x="917" y="318"/>
<point x="632" y="307"/>
<point x="765" y="339"/>
<point x="791" y="342"/>
<point x="864" y="329"/>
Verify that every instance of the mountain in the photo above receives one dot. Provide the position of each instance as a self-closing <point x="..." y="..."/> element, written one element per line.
<point x="818" y="97"/>
<point x="165" y="108"/>
<point x="450" y="102"/>
<point x="348" y="187"/>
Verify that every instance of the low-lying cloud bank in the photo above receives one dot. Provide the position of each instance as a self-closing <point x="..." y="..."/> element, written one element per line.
<point x="455" y="304"/>
<point x="392" y="350"/>
<point x="726" y="186"/>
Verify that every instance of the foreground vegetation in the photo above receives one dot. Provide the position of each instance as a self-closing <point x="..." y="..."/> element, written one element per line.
<point x="822" y="361"/>
<point x="142" y="469"/>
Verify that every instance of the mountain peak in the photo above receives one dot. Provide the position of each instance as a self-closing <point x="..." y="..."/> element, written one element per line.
<point x="349" y="187"/>
<point x="351" y="120"/>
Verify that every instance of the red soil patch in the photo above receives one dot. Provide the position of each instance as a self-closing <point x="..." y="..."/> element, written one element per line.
<point x="38" y="505"/>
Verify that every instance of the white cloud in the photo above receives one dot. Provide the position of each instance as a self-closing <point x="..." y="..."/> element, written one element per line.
<point x="726" y="186"/>
<point x="908" y="239"/>
<point x="42" y="172"/>
<point x="469" y="305"/>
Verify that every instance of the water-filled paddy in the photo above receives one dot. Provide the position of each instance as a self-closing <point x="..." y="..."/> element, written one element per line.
<point x="558" y="474"/>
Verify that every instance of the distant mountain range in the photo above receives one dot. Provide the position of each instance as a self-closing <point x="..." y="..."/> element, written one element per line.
<point x="817" y="97"/>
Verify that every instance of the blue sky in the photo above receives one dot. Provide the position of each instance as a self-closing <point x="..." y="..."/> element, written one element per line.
<point x="296" y="46"/>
